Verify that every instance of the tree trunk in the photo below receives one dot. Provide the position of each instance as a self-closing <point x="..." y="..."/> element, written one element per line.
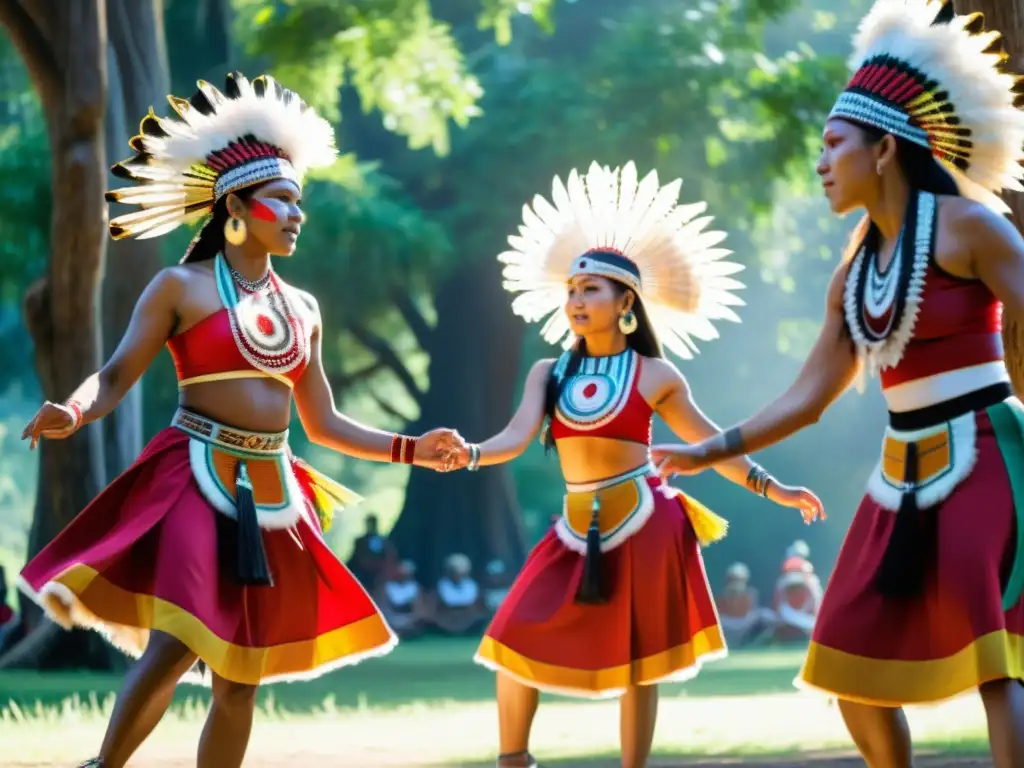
<point x="138" y="79"/>
<point x="1007" y="16"/>
<point x="65" y="54"/>
<point x="475" y="352"/>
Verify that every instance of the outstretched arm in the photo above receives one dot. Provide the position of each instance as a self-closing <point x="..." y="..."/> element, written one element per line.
<point x="513" y="439"/>
<point x="828" y="372"/>
<point x="151" y="324"/>
<point x="687" y="421"/>
<point x="325" y="426"/>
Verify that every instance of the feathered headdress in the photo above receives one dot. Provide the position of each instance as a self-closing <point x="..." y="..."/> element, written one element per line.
<point x="609" y="223"/>
<point x="219" y="143"/>
<point x="936" y="79"/>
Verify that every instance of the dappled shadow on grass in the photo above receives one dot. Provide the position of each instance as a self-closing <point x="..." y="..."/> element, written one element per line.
<point x="429" y="670"/>
<point x="826" y="759"/>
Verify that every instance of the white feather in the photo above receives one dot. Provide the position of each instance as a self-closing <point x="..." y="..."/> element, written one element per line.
<point x="169" y="190"/>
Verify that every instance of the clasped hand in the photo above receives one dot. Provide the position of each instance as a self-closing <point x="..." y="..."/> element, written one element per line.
<point x="442" y="449"/>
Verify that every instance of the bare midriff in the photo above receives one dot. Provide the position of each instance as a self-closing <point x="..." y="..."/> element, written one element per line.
<point x="257" y="405"/>
<point x="589" y="459"/>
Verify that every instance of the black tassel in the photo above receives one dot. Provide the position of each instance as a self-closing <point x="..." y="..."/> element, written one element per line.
<point x="908" y="553"/>
<point x="251" y="565"/>
<point x="591" y="591"/>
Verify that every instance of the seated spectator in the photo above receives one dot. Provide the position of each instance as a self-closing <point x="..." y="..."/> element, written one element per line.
<point x="402" y="600"/>
<point x="497" y="583"/>
<point x="370" y="555"/>
<point x="797" y="600"/>
<point x="458" y="605"/>
<point x="743" y="619"/>
<point x="799" y="549"/>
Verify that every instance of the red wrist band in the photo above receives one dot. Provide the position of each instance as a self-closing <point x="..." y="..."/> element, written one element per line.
<point x="408" y="450"/>
<point x="403" y="449"/>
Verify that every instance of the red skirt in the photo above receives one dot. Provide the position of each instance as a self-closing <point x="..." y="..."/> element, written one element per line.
<point x="873" y="649"/>
<point x="147" y="554"/>
<point x="659" y="625"/>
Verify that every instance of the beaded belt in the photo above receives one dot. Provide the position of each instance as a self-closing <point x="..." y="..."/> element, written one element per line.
<point x="231" y="439"/>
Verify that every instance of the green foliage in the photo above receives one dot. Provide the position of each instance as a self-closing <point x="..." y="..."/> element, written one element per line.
<point x="399" y="58"/>
<point x="365" y="234"/>
<point x="25" y="201"/>
<point x="498" y="15"/>
<point x="18" y="472"/>
<point x="690" y="94"/>
<point x="24" y="211"/>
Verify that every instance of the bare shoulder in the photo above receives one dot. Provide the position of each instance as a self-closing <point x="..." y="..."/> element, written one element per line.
<point x="662" y="369"/>
<point x="660" y="379"/>
<point x="541" y="369"/>
<point x="958" y="211"/>
<point x="975" y="222"/>
<point x="173" y="282"/>
<point x="983" y="232"/>
<point x="837" y="287"/>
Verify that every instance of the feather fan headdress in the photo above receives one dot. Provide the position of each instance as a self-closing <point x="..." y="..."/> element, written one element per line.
<point x="936" y="79"/>
<point x="219" y="143"/>
<point x="609" y="223"/>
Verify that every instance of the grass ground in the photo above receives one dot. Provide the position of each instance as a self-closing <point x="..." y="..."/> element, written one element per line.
<point x="426" y="704"/>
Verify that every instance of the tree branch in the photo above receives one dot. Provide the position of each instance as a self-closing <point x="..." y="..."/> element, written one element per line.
<point x="417" y="323"/>
<point x="389" y="409"/>
<point x="390" y="359"/>
<point x="35" y="51"/>
<point x="342" y="381"/>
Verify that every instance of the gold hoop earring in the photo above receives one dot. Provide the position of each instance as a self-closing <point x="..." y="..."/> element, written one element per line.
<point x="235" y="231"/>
<point x="628" y="322"/>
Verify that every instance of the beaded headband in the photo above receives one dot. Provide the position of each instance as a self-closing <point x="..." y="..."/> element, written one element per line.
<point x="607" y="263"/>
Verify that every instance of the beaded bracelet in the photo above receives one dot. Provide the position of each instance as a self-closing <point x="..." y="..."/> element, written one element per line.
<point x="403" y="449"/>
<point x="758" y="480"/>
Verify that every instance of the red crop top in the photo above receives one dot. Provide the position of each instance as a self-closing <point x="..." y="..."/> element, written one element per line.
<point x="958" y="325"/>
<point x="254" y="335"/>
<point x="603" y="400"/>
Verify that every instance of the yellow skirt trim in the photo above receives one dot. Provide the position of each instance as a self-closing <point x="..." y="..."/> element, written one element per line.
<point x="127" y="617"/>
<point x="676" y="664"/>
<point x="895" y="682"/>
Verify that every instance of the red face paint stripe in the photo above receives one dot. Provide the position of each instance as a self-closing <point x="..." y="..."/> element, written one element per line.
<point x="261" y="211"/>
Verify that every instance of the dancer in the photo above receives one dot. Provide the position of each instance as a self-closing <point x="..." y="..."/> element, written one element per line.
<point x="614" y="599"/>
<point x="210" y="546"/>
<point x="925" y="599"/>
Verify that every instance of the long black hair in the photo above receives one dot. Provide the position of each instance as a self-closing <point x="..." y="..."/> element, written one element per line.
<point x="922" y="172"/>
<point x="210" y="239"/>
<point x="643" y="340"/>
